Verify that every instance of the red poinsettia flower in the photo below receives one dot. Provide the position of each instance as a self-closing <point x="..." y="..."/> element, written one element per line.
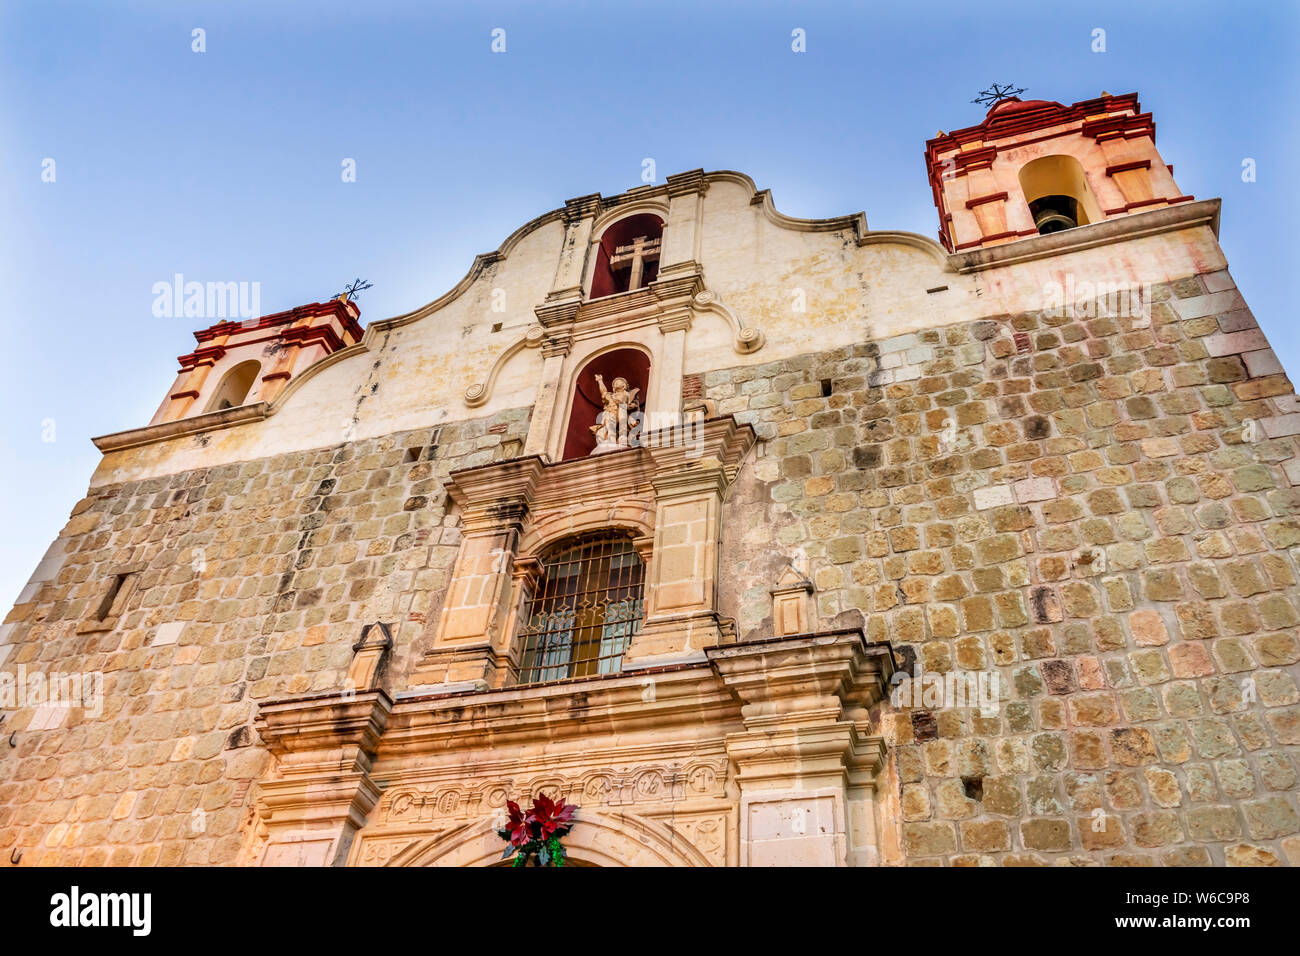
<point x="517" y="825"/>
<point x="547" y="816"/>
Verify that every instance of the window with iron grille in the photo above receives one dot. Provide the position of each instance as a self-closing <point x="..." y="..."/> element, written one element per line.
<point x="587" y="605"/>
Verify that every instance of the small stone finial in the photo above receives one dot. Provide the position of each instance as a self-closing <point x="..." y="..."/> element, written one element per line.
<point x="370" y="657"/>
<point x="791" y="603"/>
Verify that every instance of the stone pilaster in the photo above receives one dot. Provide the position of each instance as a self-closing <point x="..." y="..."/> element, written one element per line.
<point x="682" y="231"/>
<point x="579" y="217"/>
<point x="322" y="792"/>
<point x="675" y="296"/>
<point x="806" y="761"/>
<point x="556" y="318"/>
<point x="472" y="646"/>
<point x="693" y="466"/>
<point x="681" y="584"/>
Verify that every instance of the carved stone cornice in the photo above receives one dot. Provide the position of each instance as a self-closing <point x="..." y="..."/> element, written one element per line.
<point x="324" y="747"/>
<point x="659" y="698"/>
<point x="803" y="701"/>
<point x="326" y="732"/>
<point x="679" y="288"/>
<point x="207" y="422"/>
<point x="341" y="799"/>
<point x="691" y="181"/>
<point x="706" y="475"/>
<point x="832" y="754"/>
<point x="672" y="454"/>
<point x="507" y="513"/>
<point x="675" y="320"/>
<point x="634" y="302"/>
<point x="556" y="319"/>
<point x="582" y="207"/>
<point x="804" y="679"/>
<point x="478" y="489"/>
<point x="553" y="314"/>
<point x="696" y="444"/>
<point x="1183" y="215"/>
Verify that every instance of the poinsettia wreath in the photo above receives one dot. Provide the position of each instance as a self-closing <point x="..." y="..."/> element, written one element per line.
<point x="536" y="835"/>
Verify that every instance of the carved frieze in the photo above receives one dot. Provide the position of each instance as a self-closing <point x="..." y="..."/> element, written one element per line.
<point x="407" y="805"/>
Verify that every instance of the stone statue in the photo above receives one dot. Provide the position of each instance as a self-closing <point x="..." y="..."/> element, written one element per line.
<point x="619" y="423"/>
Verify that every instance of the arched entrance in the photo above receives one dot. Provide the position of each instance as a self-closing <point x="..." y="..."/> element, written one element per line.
<point x="597" y="839"/>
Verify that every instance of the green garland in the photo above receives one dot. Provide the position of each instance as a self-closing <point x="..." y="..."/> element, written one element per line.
<point x="549" y="853"/>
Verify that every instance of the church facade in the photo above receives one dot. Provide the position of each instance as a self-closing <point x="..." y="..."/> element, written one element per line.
<point x="762" y="540"/>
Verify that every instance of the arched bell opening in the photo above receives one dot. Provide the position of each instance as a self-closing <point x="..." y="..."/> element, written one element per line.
<point x="1057" y="193"/>
<point x="628" y="257"/>
<point x="236" y="386"/>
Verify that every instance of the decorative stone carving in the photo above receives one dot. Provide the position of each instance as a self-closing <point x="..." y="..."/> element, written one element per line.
<point x="621" y="839"/>
<point x="669" y="783"/>
<point x="707" y="832"/>
<point x="478" y="393"/>
<point x="619" y="423"/>
<point x="747" y="338"/>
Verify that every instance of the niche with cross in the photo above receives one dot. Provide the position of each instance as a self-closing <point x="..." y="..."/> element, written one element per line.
<point x="628" y="255"/>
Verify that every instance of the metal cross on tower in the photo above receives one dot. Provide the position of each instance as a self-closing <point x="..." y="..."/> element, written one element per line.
<point x="353" y="289"/>
<point x="996" y="92"/>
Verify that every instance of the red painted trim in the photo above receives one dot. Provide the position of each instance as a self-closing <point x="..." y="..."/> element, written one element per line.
<point x="1001" y="235"/>
<point x="1127" y="126"/>
<point x="1125" y="167"/>
<point x="205" y="356"/>
<point x="1142" y="203"/>
<point x="271" y="376"/>
<point x="282" y="327"/>
<point x="995" y="197"/>
<point x="192" y="393"/>
<point x="331" y="309"/>
<point x="310" y="335"/>
<point x="1031" y="118"/>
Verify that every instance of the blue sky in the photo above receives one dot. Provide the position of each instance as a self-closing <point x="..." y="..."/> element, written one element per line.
<point x="225" y="165"/>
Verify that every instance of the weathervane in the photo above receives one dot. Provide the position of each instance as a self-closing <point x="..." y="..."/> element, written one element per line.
<point x="997" y="92"/>
<point x="353" y="290"/>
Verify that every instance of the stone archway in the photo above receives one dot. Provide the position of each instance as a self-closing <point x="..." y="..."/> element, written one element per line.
<point x="598" y="839"/>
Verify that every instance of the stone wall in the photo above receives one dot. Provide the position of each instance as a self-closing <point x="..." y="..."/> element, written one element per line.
<point x="254" y="581"/>
<point x="1096" y="511"/>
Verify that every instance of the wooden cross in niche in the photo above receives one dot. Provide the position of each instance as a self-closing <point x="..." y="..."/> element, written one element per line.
<point x="641" y="251"/>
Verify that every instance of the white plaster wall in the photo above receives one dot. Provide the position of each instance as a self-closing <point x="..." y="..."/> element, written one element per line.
<point x="422" y="363"/>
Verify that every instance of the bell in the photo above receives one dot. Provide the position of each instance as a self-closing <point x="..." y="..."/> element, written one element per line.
<point x="1054" y="213"/>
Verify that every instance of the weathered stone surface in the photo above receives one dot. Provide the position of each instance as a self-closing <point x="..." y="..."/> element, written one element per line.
<point x="1082" y="521"/>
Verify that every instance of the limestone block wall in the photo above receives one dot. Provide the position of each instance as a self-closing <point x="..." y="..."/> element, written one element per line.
<point x="254" y="581"/>
<point x="1100" y="512"/>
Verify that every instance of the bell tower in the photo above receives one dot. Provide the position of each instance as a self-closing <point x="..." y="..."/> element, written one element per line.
<point x="240" y="363"/>
<point x="1035" y="167"/>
